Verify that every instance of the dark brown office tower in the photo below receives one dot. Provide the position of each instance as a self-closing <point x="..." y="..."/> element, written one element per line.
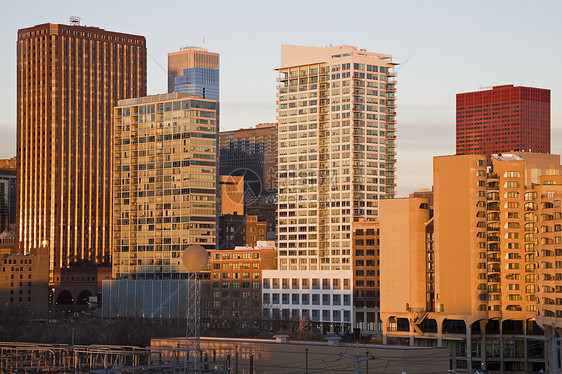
<point x="69" y="79"/>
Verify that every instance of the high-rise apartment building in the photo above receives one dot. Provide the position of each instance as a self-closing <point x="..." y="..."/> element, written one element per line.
<point x="164" y="183"/>
<point x="336" y="112"/>
<point x="503" y="119"/>
<point x="482" y="269"/>
<point x="68" y="80"/>
<point x="194" y="71"/>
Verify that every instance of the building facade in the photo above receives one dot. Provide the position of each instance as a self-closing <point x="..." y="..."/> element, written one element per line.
<point x="69" y="78"/>
<point x="336" y="157"/>
<point x="243" y="231"/>
<point x="194" y="71"/>
<point x="252" y="154"/>
<point x="366" y="280"/>
<point x="482" y="269"/>
<point x="8" y="202"/>
<point x="24" y="284"/>
<point x="165" y="184"/>
<point x="232" y="195"/>
<point x="235" y="298"/>
<point x="503" y="119"/>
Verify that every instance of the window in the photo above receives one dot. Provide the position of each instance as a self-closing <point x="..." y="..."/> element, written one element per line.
<point x="316" y="284"/>
<point x="511" y="174"/>
<point x="336" y="300"/>
<point x="315" y="299"/>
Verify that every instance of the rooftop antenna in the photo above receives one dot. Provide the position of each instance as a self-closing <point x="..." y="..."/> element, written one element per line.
<point x="194" y="259"/>
<point x="75" y="21"/>
<point x="203" y="45"/>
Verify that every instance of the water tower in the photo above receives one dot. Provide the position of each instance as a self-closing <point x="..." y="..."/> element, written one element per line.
<point x="194" y="259"/>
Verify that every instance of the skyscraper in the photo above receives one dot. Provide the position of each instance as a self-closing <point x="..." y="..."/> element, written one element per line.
<point x="336" y="110"/>
<point x="194" y="71"/>
<point x="503" y="119"/>
<point x="165" y="183"/>
<point x="68" y="80"/>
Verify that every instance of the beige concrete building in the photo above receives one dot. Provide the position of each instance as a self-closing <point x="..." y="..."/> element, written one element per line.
<point x="165" y="183"/>
<point x="482" y="270"/>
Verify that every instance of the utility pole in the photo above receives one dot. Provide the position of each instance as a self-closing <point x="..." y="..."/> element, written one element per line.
<point x="553" y="340"/>
<point x="356" y="361"/>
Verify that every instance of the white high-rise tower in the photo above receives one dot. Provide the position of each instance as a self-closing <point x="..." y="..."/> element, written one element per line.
<point x="336" y="159"/>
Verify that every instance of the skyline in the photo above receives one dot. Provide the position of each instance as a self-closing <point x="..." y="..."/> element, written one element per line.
<point x="501" y="43"/>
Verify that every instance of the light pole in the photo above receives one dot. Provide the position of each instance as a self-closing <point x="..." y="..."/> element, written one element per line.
<point x="53" y="302"/>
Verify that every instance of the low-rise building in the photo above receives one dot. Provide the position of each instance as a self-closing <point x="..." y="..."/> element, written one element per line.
<point x="235" y="292"/>
<point x="24" y="283"/>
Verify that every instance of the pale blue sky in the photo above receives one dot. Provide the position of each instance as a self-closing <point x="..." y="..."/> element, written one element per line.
<point x="455" y="46"/>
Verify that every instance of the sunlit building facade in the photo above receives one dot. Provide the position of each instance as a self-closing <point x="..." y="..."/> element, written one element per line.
<point x="165" y="183"/>
<point x="336" y="160"/>
<point x="69" y="78"/>
<point x="484" y="267"/>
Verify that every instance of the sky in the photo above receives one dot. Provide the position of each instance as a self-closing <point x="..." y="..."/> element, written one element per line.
<point x="444" y="48"/>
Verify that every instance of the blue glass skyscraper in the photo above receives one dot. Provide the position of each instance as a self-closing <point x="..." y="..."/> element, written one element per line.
<point x="194" y="71"/>
<point x="203" y="82"/>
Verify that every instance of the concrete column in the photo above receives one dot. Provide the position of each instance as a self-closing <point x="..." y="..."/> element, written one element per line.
<point x="501" y="343"/>
<point x="469" y="345"/>
<point x="483" y="324"/>
<point x="384" y="329"/>
<point x="412" y="332"/>
<point x="439" y="331"/>
<point x="525" y="344"/>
